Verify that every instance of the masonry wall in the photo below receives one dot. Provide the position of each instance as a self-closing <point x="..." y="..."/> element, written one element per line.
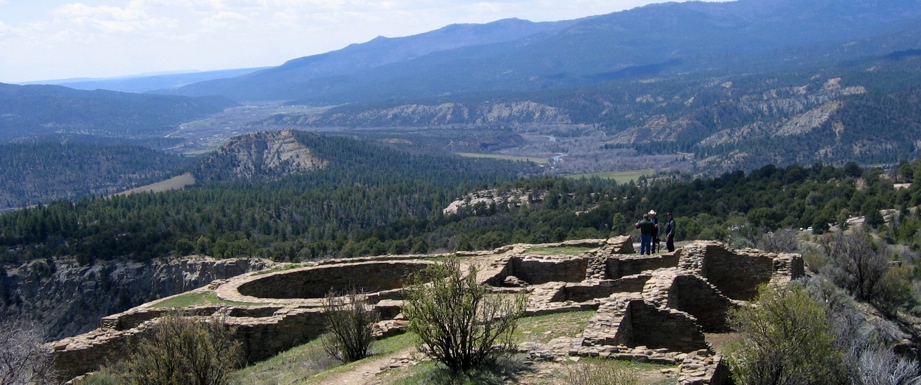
<point x="621" y="266"/>
<point x="71" y="363"/>
<point x="663" y="328"/>
<point x="693" y="295"/>
<point x="317" y="282"/>
<point x="261" y="337"/>
<point x="536" y="271"/>
<point x="581" y="292"/>
<point x="737" y="276"/>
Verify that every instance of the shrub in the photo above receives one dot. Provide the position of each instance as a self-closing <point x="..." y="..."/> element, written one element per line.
<point x="184" y="351"/>
<point x="878" y="366"/>
<point x="457" y="320"/>
<point x="785" y="339"/>
<point x="895" y="290"/>
<point x="857" y="264"/>
<point x="869" y="360"/>
<point x="348" y="323"/>
<point x="23" y="357"/>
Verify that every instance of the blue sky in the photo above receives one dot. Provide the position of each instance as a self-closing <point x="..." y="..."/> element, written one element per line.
<point x="62" y="39"/>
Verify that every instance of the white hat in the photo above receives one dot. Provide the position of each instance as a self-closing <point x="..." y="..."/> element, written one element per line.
<point x="652" y="212"/>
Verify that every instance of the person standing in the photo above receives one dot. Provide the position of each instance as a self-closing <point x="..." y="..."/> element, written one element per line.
<point x="645" y="227"/>
<point x="670" y="228"/>
<point x="655" y="231"/>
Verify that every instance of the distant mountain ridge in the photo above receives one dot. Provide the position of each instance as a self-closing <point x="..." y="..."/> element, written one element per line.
<point x="666" y="38"/>
<point x="279" y="82"/>
<point x="39" y="110"/>
<point x="144" y="83"/>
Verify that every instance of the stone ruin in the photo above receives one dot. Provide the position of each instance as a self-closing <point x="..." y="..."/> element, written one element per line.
<point x="650" y="308"/>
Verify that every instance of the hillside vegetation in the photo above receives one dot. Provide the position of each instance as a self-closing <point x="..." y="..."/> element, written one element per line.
<point x="371" y="200"/>
<point x="45" y="172"/>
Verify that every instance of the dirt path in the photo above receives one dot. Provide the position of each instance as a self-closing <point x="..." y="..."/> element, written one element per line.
<point x="367" y="371"/>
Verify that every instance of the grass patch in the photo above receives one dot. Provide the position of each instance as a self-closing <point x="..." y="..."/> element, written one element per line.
<point x="599" y="371"/>
<point x="382" y="349"/>
<point x="309" y="363"/>
<point x="544" y="328"/>
<point x="197" y="299"/>
<point x="429" y="372"/>
<point x="287" y="367"/>
<point x="563" y="250"/>
<point x="617" y="176"/>
<point x="505" y="157"/>
<point x="285" y="268"/>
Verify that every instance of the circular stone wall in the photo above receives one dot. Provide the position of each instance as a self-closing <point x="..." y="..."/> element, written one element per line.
<point x="316" y="282"/>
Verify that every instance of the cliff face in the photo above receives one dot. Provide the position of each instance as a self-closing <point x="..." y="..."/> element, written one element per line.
<point x="260" y="155"/>
<point x="68" y="299"/>
<point x="444" y="114"/>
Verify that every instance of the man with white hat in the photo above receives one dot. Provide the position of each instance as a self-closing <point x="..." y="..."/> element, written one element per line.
<point x="655" y="230"/>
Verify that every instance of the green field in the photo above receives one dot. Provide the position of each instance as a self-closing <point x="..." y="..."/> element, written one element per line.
<point x="617" y="176"/>
<point x="196" y="299"/>
<point x="570" y="250"/>
<point x="505" y="157"/>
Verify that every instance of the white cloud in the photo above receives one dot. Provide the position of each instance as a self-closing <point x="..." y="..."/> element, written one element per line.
<point x="107" y="19"/>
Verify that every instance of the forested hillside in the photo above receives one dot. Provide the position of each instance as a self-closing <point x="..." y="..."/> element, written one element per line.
<point x="381" y="198"/>
<point x="44" y="172"/>
<point x="36" y="111"/>
<point x="371" y="200"/>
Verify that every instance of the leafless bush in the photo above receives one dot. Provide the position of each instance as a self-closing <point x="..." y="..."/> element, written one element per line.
<point x="857" y="264"/>
<point x="781" y="241"/>
<point x="348" y="323"/>
<point x="23" y="356"/>
<point x="598" y="372"/>
<point x="877" y="366"/>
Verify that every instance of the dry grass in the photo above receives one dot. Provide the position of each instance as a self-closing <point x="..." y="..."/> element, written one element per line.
<point x="175" y="183"/>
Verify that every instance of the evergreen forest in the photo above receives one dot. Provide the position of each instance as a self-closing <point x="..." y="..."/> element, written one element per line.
<point x="373" y="200"/>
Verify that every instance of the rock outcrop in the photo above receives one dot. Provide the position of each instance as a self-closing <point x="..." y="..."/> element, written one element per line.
<point x="69" y="298"/>
<point x="263" y="155"/>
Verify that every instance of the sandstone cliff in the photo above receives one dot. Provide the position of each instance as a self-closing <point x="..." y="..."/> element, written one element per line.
<point x="259" y="155"/>
<point x="69" y="299"/>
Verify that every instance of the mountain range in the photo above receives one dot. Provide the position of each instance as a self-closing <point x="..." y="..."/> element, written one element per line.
<point x="516" y="55"/>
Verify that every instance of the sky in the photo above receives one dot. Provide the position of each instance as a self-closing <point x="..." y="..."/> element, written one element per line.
<point x="65" y="39"/>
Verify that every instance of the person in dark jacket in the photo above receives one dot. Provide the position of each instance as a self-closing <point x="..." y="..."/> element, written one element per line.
<point x="646" y="227"/>
<point x="655" y="231"/>
<point x="670" y="228"/>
